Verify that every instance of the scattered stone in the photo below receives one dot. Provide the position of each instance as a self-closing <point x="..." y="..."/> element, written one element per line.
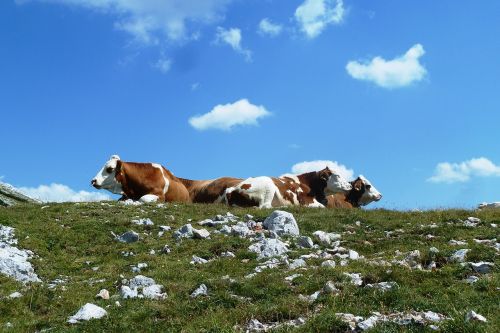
<point x="195" y="260"/>
<point x="472" y="279"/>
<point x="326" y="239"/>
<point x="201" y="233"/>
<point x="186" y="231"/>
<point x="433" y="250"/>
<point x="353" y="255"/>
<point x="368" y="323"/>
<point x="154" y="291"/>
<point x="297" y="263"/>
<point x="305" y="242"/>
<point x="383" y="286"/>
<point x="455" y="242"/>
<point x="139" y="267"/>
<point x="281" y="222"/>
<point x="228" y="254"/>
<point x="472" y="222"/>
<point x="267" y="248"/>
<point x="142" y="286"/>
<point x="292" y="277"/>
<point x="14" y="262"/>
<point x="482" y="267"/>
<point x="330" y="288"/>
<point x="328" y="263"/>
<point x="165" y="228"/>
<point x="311" y="298"/>
<point x="144" y="222"/>
<point x="471" y="315"/>
<point x="459" y="256"/>
<point x="103" y="294"/>
<point x="241" y="230"/>
<point x="486" y="205"/>
<point x="87" y="312"/>
<point x="355" y="278"/>
<point x="202" y="290"/>
<point x="15" y="294"/>
<point x="128" y="237"/>
<point x="166" y="249"/>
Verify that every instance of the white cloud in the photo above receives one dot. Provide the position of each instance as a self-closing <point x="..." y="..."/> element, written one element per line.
<point x="398" y="72"/>
<point x="266" y="27"/>
<point x="464" y="171"/>
<point x="309" y="166"/>
<point x="314" y="16"/>
<point x="163" y="65"/>
<point x="232" y="37"/>
<point x="62" y="193"/>
<point x="149" y="21"/>
<point x="225" y="117"/>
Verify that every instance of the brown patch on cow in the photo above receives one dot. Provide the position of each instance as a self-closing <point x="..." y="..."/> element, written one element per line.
<point x="208" y="191"/>
<point x="349" y="200"/>
<point x="338" y="200"/>
<point x="236" y="198"/>
<point x="139" y="179"/>
<point x="245" y="186"/>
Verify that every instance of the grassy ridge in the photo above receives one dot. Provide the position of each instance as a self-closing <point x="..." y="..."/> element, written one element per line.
<point x="66" y="236"/>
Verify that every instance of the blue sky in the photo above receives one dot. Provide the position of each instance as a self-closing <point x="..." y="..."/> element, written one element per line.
<point x="81" y="80"/>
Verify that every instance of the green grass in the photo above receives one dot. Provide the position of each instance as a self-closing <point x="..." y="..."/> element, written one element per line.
<point x="66" y="236"/>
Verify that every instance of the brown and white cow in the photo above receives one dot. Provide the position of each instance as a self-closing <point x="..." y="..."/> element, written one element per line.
<point x="361" y="194"/>
<point x="308" y="189"/>
<point x="209" y="191"/>
<point x="140" y="181"/>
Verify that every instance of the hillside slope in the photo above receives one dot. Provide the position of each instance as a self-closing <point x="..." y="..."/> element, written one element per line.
<point x="76" y="256"/>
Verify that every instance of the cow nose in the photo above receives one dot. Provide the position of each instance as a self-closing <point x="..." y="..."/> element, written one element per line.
<point x="92" y="182"/>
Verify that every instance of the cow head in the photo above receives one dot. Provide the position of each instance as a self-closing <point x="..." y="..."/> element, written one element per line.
<point x="106" y="177"/>
<point x="364" y="191"/>
<point x="335" y="183"/>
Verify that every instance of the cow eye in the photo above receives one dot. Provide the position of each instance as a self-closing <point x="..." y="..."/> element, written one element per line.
<point x="368" y="187"/>
<point x="109" y="170"/>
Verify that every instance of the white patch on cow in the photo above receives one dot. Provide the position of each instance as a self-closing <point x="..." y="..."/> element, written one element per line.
<point x="291" y="176"/>
<point x="371" y="194"/>
<point x="149" y="198"/>
<point x="315" y="204"/>
<point x="105" y="178"/>
<point x="295" y="201"/>
<point x="167" y="183"/>
<point x="336" y="183"/>
<point x="262" y="190"/>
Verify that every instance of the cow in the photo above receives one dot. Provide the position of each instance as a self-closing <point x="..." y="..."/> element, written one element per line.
<point x="209" y="191"/>
<point x="308" y="189"/>
<point x="361" y="194"/>
<point x="140" y="181"/>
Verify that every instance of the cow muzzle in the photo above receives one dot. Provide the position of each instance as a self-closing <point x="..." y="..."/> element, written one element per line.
<point x="93" y="182"/>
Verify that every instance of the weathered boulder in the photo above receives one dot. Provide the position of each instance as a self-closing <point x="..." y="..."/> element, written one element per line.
<point x="87" y="312"/>
<point x="282" y="223"/>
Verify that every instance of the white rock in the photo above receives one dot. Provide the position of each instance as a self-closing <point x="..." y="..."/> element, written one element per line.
<point x="195" y="260"/>
<point x="328" y="263"/>
<point x="201" y="233"/>
<point x="492" y="205"/>
<point x="482" y="267"/>
<point x="128" y="237"/>
<point x="165" y="228"/>
<point x="267" y="248"/>
<point x="254" y="325"/>
<point x="166" y="249"/>
<point x="471" y="279"/>
<point x="226" y="230"/>
<point x="330" y="288"/>
<point x="433" y="316"/>
<point x="87" y="312"/>
<point x="472" y="222"/>
<point x="353" y="255"/>
<point x="228" y="254"/>
<point x="15" y="294"/>
<point x="368" y="323"/>
<point x="154" y="292"/>
<point x="127" y="292"/>
<point x="455" y="242"/>
<point x="471" y="315"/>
<point x="326" y="239"/>
<point x="202" y="290"/>
<point x="292" y="277"/>
<point x="186" y="231"/>
<point x="311" y="298"/>
<point x="459" y="255"/>
<point x="433" y="250"/>
<point x="14" y="262"/>
<point x="297" y="263"/>
<point x="383" y="286"/>
<point x="240" y="229"/>
<point x="305" y="242"/>
<point x="144" y="222"/>
<point x="281" y="222"/>
<point x="103" y="294"/>
<point x="139" y="267"/>
<point x="355" y="278"/>
<point x="141" y="281"/>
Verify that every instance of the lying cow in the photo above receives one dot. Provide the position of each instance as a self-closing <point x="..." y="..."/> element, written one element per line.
<point x="361" y="194"/>
<point x="136" y="181"/>
<point x="209" y="191"/>
<point x="308" y="189"/>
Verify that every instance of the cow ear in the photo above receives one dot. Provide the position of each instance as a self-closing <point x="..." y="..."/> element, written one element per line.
<point x="324" y="174"/>
<point x="358" y="184"/>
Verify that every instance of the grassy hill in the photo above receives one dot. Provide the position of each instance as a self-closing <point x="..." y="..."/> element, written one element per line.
<point x="73" y="243"/>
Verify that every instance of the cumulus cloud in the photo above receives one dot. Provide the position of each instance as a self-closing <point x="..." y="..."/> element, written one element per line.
<point x="398" y="72"/>
<point x="461" y="172"/>
<point x="314" y="16"/>
<point x="149" y="21"/>
<point x="309" y="166"/>
<point x="232" y="37"/>
<point x="62" y="193"/>
<point x="266" y="27"/>
<point x="225" y="117"/>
